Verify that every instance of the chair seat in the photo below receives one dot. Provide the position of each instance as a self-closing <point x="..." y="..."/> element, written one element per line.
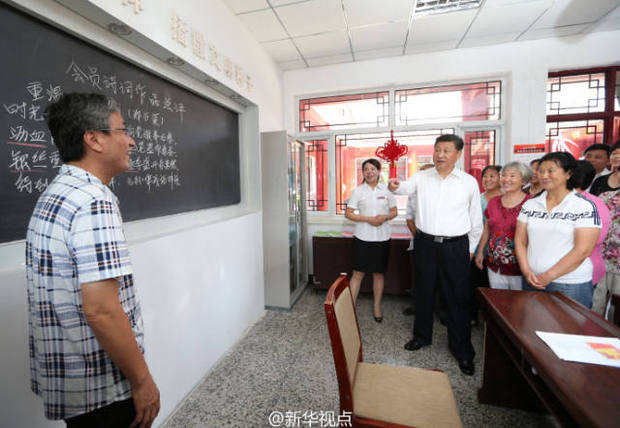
<point x="404" y="395"/>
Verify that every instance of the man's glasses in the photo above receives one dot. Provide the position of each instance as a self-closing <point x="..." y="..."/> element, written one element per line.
<point x="124" y="130"/>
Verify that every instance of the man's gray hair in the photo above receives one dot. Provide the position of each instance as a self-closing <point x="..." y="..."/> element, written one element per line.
<point x="74" y="114"/>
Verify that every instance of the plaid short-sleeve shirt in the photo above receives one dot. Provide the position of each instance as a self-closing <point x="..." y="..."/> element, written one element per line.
<point x="75" y="236"/>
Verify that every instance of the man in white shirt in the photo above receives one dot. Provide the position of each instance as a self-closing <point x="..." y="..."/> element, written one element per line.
<point x="410" y="218"/>
<point x="448" y="227"/>
<point x="598" y="156"/>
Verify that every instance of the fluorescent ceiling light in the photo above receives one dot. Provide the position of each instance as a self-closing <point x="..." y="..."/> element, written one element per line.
<point x="432" y="7"/>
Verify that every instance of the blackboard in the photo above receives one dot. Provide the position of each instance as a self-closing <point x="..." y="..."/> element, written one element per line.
<point x="187" y="147"/>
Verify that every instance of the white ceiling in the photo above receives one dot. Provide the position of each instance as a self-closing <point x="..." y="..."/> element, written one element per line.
<point x="309" y="33"/>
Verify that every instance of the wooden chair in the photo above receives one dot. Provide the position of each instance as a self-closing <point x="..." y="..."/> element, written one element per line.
<point x="379" y="395"/>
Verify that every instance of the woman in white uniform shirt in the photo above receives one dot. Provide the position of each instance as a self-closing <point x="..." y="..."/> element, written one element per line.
<point x="371" y="241"/>
<point x="556" y="233"/>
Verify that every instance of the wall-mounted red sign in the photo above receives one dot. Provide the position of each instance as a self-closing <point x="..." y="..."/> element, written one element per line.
<point x="530" y="148"/>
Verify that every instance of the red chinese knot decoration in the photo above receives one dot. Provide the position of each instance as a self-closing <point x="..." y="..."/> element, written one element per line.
<point x="390" y="152"/>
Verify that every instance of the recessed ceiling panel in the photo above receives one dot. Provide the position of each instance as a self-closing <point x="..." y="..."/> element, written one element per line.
<point x="605" y="25"/>
<point x="570" y="12"/>
<point x="276" y="3"/>
<point x="516" y="17"/>
<point x="440" y="28"/>
<point x="614" y="14"/>
<point x="324" y="33"/>
<point x="281" y="50"/>
<point x="364" y="12"/>
<point x="543" y="33"/>
<point x="332" y="59"/>
<point x="239" y="6"/>
<point x="610" y="22"/>
<point x="495" y="39"/>
<point x="263" y="25"/>
<point x="378" y="53"/>
<point x="292" y="65"/>
<point x="336" y="42"/>
<point x="431" y="47"/>
<point x="312" y="17"/>
<point x="378" y="36"/>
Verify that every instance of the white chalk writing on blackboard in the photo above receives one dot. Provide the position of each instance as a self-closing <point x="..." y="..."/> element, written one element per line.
<point x="18" y="109"/>
<point x="19" y="161"/>
<point x="153" y="144"/>
<point x="23" y="183"/>
<point x="36" y="90"/>
<point x="154" y="160"/>
<point x="20" y="134"/>
<point x="53" y="93"/>
<point x="34" y="113"/>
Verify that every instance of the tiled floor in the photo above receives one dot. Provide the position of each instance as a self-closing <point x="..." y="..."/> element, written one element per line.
<point x="284" y="363"/>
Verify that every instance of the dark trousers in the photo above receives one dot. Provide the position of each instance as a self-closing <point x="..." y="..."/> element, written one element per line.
<point x="116" y="415"/>
<point x="444" y="265"/>
<point x="477" y="278"/>
<point x="412" y="267"/>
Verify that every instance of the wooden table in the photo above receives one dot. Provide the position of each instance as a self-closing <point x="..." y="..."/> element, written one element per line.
<point x="333" y="255"/>
<point x="521" y="371"/>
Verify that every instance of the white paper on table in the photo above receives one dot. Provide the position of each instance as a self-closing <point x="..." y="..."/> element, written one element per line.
<point x="583" y="349"/>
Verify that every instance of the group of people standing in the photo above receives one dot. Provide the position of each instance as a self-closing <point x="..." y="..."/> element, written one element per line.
<point x="554" y="233"/>
<point x="537" y="227"/>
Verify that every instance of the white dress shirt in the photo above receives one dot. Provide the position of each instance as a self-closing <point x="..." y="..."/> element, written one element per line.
<point x="410" y="215"/>
<point x="446" y="206"/>
<point x="371" y="202"/>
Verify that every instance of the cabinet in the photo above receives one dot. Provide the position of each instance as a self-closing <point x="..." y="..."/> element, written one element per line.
<point x="333" y="255"/>
<point x="284" y="225"/>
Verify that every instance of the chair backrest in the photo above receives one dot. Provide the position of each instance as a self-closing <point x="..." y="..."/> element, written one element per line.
<point x="345" y="337"/>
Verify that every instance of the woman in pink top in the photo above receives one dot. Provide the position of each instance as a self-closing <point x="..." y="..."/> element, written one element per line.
<point x="583" y="176"/>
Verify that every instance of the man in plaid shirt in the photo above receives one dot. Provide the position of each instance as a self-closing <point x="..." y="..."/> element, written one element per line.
<point x="86" y="338"/>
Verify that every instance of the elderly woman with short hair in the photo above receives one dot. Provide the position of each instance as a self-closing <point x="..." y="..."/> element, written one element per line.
<point x="499" y="229"/>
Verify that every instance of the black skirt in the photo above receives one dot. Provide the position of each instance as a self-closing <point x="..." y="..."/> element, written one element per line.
<point x="370" y="257"/>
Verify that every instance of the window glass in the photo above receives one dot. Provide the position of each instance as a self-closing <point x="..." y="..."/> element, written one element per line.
<point x="454" y="103"/>
<point x="479" y="152"/>
<point x="316" y="175"/>
<point x="344" y="111"/>
<point x="583" y="93"/>
<point x="573" y="136"/>
<point x="353" y="149"/>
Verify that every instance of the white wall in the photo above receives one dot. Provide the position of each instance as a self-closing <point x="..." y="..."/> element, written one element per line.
<point x="524" y="64"/>
<point x="199" y="274"/>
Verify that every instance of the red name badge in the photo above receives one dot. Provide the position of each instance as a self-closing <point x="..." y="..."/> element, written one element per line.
<point x="380" y="197"/>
